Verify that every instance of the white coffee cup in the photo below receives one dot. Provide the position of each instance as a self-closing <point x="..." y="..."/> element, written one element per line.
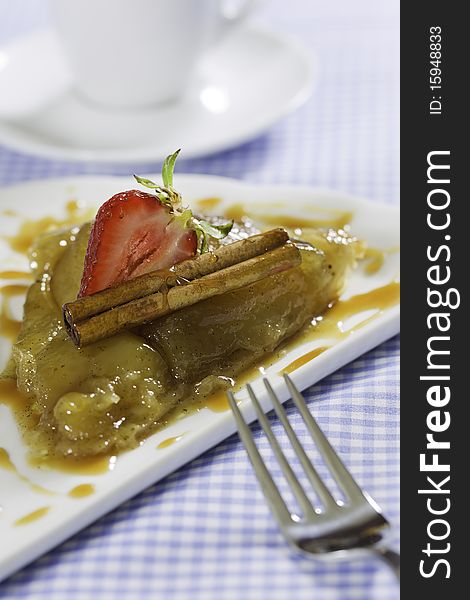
<point x="137" y="53"/>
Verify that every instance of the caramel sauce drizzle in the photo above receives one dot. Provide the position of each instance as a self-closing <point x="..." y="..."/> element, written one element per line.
<point x="334" y="219"/>
<point x="170" y="441"/>
<point x="81" y="491"/>
<point x="18" y="403"/>
<point x="218" y="402"/>
<point x="33" y="516"/>
<point x="375" y="258"/>
<point x="8" y="212"/>
<point x="29" y="230"/>
<point x="208" y="203"/>
<point x="16" y="275"/>
<point x="378" y="299"/>
<point x="303" y="360"/>
<point x="330" y="325"/>
<point x="11" y="396"/>
<point x="92" y="465"/>
<point x="7" y="464"/>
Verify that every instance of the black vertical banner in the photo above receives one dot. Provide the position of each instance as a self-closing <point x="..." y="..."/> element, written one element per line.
<point x="435" y="324"/>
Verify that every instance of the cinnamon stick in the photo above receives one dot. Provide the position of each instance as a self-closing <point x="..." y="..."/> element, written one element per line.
<point x="152" y="306"/>
<point x="150" y="283"/>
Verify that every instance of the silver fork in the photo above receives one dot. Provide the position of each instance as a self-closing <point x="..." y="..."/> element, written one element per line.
<point x="346" y="530"/>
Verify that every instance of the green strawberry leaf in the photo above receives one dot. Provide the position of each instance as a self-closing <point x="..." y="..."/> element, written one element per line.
<point x="168" y="168"/>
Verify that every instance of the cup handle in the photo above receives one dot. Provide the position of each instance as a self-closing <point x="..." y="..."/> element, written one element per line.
<point x="229" y="20"/>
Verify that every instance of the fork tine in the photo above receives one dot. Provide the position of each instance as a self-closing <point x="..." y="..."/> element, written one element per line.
<point x="316" y="481"/>
<point x="343" y="477"/>
<point x="289" y="474"/>
<point x="270" y="491"/>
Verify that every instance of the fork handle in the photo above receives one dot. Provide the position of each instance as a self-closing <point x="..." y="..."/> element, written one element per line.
<point x="391" y="558"/>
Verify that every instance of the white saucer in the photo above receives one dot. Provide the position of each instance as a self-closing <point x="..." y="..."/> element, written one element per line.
<point x="242" y="87"/>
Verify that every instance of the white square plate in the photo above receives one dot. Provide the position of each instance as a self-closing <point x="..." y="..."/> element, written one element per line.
<point x="375" y="223"/>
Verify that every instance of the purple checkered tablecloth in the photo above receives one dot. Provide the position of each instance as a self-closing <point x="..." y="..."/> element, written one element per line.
<point x="205" y="532"/>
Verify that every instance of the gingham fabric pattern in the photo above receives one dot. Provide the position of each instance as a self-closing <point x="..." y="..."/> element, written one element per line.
<point x="205" y="532"/>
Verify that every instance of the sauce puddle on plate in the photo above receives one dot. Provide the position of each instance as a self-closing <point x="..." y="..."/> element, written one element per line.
<point x="303" y="360"/>
<point x="82" y="490"/>
<point x="7" y="464"/>
<point x="208" y="203"/>
<point x="218" y="402"/>
<point x="378" y="299"/>
<point x="18" y="404"/>
<point x="329" y="326"/>
<point x="374" y="259"/>
<point x="170" y="441"/>
<point x="77" y="466"/>
<point x="16" y="275"/>
<point x="33" y="516"/>
<point x="29" y="230"/>
<point x="333" y="218"/>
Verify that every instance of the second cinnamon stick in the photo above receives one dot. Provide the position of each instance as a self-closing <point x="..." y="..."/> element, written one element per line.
<point x="153" y="306"/>
<point x="150" y="283"/>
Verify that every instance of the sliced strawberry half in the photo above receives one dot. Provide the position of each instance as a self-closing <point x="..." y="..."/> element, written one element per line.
<point x="133" y="233"/>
